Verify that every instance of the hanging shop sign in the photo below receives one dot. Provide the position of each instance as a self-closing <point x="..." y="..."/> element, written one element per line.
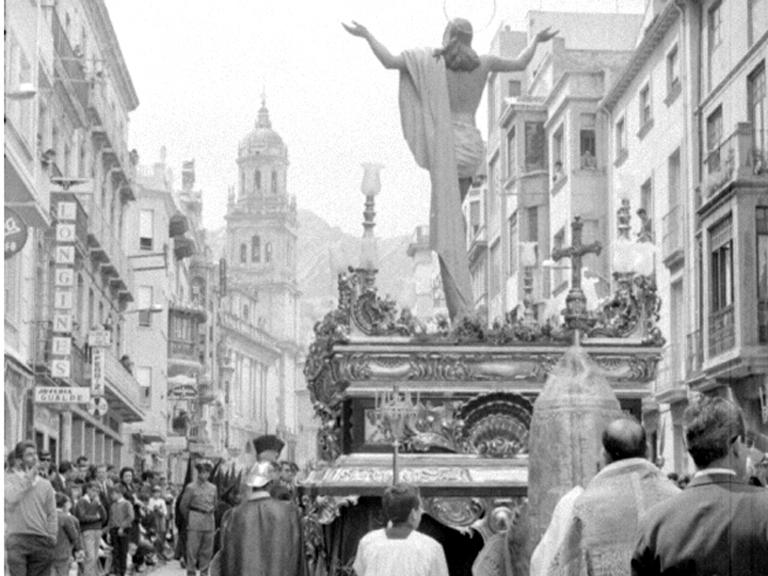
<point x="98" y="370"/>
<point x="62" y="395"/>
<point x="98" y="407"/>
<point x="15" y="233"/>
<point x="63" y="292"/>
<point x="183" y="392"/>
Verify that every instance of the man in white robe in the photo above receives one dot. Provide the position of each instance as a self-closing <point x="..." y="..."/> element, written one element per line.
<point x="601" y="532"/>
<point x="399" y="549"/>
<point x="440" y="91"/>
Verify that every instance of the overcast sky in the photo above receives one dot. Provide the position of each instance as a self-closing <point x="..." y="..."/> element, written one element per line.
<point x="200" y="68"/>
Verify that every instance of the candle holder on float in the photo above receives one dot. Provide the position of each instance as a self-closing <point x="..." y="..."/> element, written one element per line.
<point x="395" y="413"/>
<point x="369" y="258"/>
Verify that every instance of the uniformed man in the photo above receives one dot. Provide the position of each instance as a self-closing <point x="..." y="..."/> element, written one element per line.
<point x="197" y="507"/>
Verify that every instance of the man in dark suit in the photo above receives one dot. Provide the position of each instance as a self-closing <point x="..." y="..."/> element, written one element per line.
<point x="64" y="480"/>
<point x="719" y="523"/>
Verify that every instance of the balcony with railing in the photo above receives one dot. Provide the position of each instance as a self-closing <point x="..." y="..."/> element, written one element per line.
<point x="185" y="352"/>
<point x="104" y="125"/>
<point x="672" y="236"/>
<point x="107" y="249"/>
<point x="69" y="65"/>
<point x="694" y="355"/>
<point x="122" y="390"/>
<point x="237" y="324"/>
<point x="42" y="355"/>
<point x="722" y="331"/>
<point x="478" y="241"/>
<point x="741" y="157"/>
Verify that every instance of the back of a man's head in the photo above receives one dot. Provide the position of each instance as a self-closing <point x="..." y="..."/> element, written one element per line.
<point x="398" y="501"/>
<point x="624" y="438"/>
<point x="711" y="425"/>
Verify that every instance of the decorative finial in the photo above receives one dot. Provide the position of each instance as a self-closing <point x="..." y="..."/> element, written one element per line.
<point x="263" y="121"/>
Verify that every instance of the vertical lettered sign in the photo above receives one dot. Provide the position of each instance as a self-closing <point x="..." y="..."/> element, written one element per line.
<point x="63" y="292"/>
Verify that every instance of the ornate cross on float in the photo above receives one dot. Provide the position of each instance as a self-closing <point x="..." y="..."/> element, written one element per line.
<point x="576" y="316"/>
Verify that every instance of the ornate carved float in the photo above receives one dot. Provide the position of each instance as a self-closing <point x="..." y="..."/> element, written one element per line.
<point x="465" y="441"/>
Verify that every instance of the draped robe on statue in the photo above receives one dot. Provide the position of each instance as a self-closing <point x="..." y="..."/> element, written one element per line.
<point x="262" y="537"/>
<point x="434" y="140"/>
<point x="603" y="531"/>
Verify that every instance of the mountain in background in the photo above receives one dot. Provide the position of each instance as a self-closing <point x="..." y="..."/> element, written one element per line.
<point x="323" y="252"/>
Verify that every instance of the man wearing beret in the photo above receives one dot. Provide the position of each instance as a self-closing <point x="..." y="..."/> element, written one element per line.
<point x="197" y="506"/>
<point x="262" y="535"/>
<point x="268" y="448"/>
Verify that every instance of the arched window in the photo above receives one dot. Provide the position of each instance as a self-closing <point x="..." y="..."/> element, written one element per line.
<point x="255" y="249"/>
<point x="245" y="312"/>
<point x="268" y="252"/>
<point x="274" y="182"/>
<point x="257" y="181"/>
<point x="243" y="253"/>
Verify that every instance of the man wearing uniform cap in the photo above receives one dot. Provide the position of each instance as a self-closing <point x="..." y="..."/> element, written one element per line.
<point x="197" y="506"/>
<point x="262" y="535"/>
<point x="268" y="448"/>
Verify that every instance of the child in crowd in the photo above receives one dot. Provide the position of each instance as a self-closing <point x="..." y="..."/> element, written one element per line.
<point x="68" y="539"/>
<point x="120" y="521"/>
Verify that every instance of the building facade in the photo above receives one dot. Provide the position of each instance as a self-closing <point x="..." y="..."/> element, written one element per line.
<point x="72" y="177"/>
<point x="663" y="113"/>
<point x="259" y="317"/>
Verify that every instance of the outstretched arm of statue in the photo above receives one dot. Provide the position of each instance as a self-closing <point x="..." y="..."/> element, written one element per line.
<point x="498" y="64"/>
<point x="387" y="59"/>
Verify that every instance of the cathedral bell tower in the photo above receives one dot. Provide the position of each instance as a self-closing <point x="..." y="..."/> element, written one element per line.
<point x="262" y="229"/>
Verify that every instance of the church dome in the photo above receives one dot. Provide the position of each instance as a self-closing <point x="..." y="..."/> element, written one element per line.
<point x="262" y="140"/>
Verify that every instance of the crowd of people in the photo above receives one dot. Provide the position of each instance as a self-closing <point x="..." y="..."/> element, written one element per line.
<point x="630" y="518"/>
<point x="93" y="515"/>
<point x="94" y="519"/>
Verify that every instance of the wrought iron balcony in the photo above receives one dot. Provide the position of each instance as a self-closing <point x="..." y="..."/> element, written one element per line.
<point x="672" y="235"/>
<point x="105" y="126"/>
<point x="742" y="156"/>
<point x="80" y="371"/>
<point x="107" y="249"/>
<point x="70" y="65"/>
<point x="722" y="331"/>
<point x="122" y="390"/>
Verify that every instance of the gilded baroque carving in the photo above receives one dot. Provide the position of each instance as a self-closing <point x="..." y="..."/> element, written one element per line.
<point x="633" y="311"/>
<point x="320" y="511"/>
<point x="457" y="513"/>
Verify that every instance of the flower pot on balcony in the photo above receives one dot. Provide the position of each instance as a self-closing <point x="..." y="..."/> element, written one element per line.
<point x="183" y="247"/>
<point x="178" y="225"/>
